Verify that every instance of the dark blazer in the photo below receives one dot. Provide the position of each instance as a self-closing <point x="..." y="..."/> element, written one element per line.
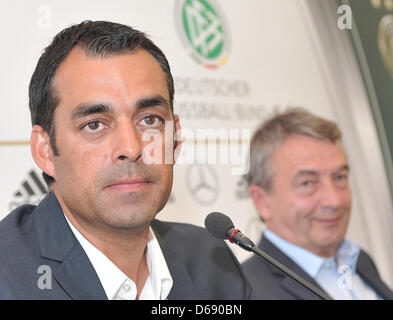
<point x="269" y="283"/>
<point x="201" y="266"/>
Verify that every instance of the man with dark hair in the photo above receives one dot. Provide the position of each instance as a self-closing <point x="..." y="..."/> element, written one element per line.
<point x="101" y="96"/>
<point x="97" y="39"/>
<point x="298" y="182"/>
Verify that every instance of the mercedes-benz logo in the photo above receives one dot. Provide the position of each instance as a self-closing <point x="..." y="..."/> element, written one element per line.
<point x="202" y="182"/>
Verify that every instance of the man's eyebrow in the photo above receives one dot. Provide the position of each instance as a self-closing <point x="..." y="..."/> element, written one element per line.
<point x="306" y="172"/>
<point x="344" y="167"/>
<point x="85" y="110"/>
<point x="153" y="102"/>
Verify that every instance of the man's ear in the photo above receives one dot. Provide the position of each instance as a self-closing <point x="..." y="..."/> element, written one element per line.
<point x="41" y="150"/>
<point x="260" y="198"/>
<point x="177" y="138"/>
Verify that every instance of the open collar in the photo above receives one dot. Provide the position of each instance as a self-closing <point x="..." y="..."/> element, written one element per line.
<point x="73" y="271"/>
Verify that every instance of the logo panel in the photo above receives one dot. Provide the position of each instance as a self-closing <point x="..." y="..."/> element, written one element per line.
<point x="203" y="30"/>
<point x="385" y="41"/>
<point x="202" y="183"/>
<point x="31" y="191"/>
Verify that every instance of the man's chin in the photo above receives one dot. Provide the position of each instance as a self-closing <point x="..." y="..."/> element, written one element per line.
<point x="330" y="244"/>
<point x="125" y="213"/>
<point x="128" y="221"/>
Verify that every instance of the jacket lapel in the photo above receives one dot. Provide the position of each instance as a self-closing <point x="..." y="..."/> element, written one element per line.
<point x="72" y="268"/>
<point x="183" y="287"/>
<point x="287" y="283"/>
<point x="369" y="273"/>
<point x="78" y="278"/>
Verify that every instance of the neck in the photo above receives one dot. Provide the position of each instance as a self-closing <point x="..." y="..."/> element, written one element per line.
<point x="326" y="251"/>
<point x="125" y="248"/>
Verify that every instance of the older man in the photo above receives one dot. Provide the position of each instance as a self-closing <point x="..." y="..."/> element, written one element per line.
<point x="298" y="182"/>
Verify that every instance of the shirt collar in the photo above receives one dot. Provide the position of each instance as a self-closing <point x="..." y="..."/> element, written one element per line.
<point x="161" y="279"/>
<point x="159" y="282"/>
<point x="347" y="254"/>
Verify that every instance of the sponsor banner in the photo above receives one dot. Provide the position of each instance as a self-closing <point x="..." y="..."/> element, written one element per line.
<point x="233" y="62"/>
<point x="204" y="31"/>
<point x="373" y="42"/>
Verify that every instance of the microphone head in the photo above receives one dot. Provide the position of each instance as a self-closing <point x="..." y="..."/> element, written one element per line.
<point x="218" y="225"/>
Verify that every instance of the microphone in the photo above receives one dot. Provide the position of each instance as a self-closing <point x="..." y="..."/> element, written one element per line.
<point x="221" y="226"/>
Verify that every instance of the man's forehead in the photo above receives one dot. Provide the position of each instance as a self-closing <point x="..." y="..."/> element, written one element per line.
<point x="94" y="78"/>
<point x="307" y="145"/>
<point x="306" y="153"/>
<point x="79" y="57"/>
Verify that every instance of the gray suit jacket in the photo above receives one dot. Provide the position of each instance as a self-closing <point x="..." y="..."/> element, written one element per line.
<point x="269" y="283"/>
<point x="201" y="266"/>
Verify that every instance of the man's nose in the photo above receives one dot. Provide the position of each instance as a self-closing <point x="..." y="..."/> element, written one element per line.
<point x="331" y="195"/>
<point x="127" y="145"/>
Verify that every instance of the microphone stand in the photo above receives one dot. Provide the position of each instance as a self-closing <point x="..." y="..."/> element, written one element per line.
<point x="235" y="236"/>
<point x="290" y="273"/>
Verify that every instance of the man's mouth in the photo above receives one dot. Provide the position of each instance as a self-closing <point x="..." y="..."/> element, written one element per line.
<point x="129" y="185"/>
<point x="331" y="221"/>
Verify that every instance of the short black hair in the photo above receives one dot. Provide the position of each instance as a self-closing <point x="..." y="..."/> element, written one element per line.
<point x="98" y="39"/>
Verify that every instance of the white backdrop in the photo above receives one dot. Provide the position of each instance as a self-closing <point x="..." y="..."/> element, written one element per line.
<point x="275" y="53"/>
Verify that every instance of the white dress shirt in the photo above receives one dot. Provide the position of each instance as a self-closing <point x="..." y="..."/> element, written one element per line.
<point x="336" y="275"/>
<point x="116" y="284"/>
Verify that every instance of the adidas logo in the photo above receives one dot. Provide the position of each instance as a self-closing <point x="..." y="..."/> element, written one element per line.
<point x="32" y="190"/>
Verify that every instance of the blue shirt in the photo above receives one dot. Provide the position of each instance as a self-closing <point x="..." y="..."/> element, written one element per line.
<point x="336" y="275"/>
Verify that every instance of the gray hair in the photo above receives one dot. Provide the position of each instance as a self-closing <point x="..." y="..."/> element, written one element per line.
<point x="272" y="133"/>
